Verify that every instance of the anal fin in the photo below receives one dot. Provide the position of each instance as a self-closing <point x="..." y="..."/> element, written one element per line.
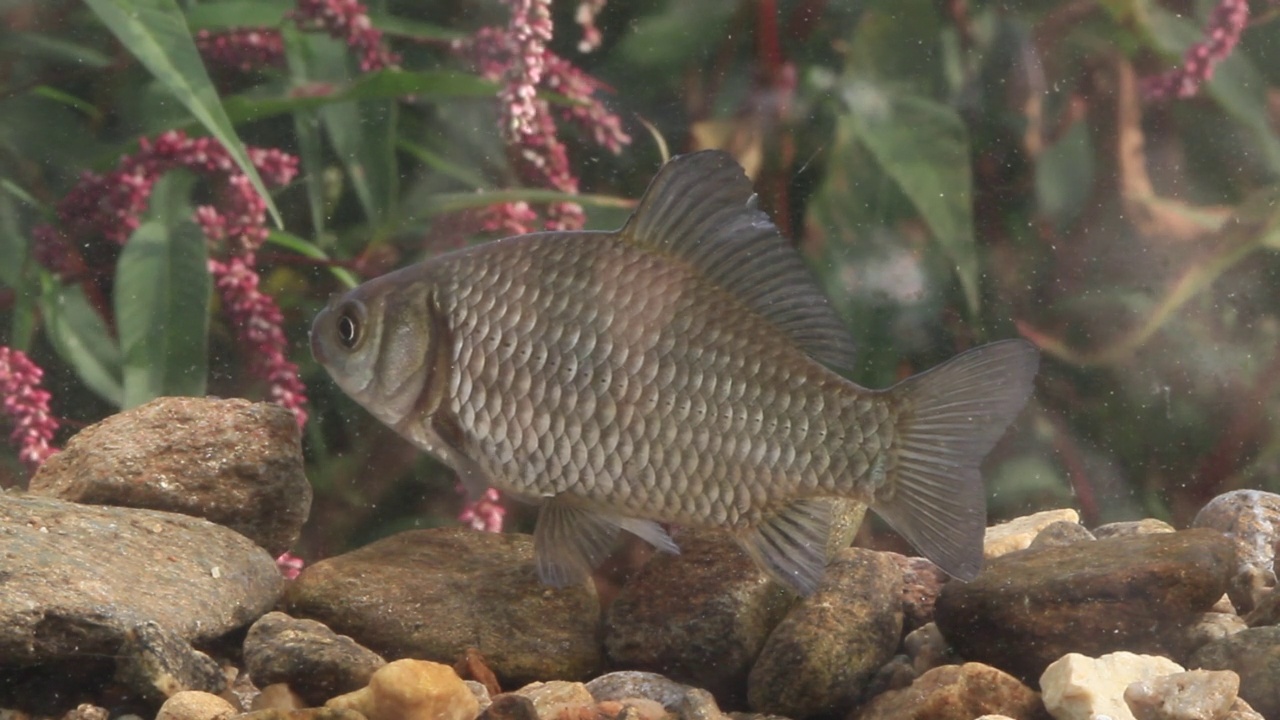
<point x="791" y="546"/>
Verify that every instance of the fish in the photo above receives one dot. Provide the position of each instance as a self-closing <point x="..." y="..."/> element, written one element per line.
<point x="685" y="370"/>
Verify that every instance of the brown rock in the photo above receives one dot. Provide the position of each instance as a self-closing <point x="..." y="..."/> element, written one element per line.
<point x="1183" y="696"/>
<point x="560" y="700"/>
<point x="195" y="705"/>
<point x="1134" y="593"/>
<point x="415" y="595"/>
<point x="819" y="658"/>
<point x="157" y="664"/>
<point x="232" y="462"/>
<point x="922" y="582"/>
<point x="471" y="666"/>
<point x="78" y="577"/>
<point x="1251" y="518"/>
<point x="509" y="706"/>
<point x="1060" y="534"/>
<point x="412" y="690"/>
<point x="682" y="701"/>
<point x="1254" y="655"/>
<point x="957" y="692"/>
<point x="1018" y="533"/>
<point x="700" y="617"/>
<point x="302" y="714"/>
<point x="311" y="659"/>
<point x="1146" y="526"/>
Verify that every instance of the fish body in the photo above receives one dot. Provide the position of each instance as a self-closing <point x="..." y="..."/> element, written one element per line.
<point x="680" y="370"/>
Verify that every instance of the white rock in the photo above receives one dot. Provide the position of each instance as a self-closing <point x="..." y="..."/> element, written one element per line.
<point x="1194" y="695"/>
<point x="1018" y="533"/>
<point x="1078" y="687"/>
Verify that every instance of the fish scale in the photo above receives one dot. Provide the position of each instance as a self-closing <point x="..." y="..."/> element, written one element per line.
<point x="682" y="370"/>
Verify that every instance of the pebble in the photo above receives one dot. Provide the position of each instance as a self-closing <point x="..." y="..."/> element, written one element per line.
<point x="559" y="700"/>
<point x="927" y="649"/>
<point x="682" y="701"/>
<point x="311" y="659"/>
<point x="1251" y="518"/>
<point x="700" y="617"/>
<point x="1061" y="534"/>
<point x="1254" y="655"/>
<point x="412" y="690"/>
<point x="1045" y="603"/>
<point x="1078" y="687"/>
<point x="302" y="714"/>
<point x="1146" y="526"/>
<point x="819" y="658"/>
<point x="1017" y="534"/>
<point x="1193" y="695"/>
<point x="922" y="582"/>
<point x="232" y="462"/>
<point x="414" y="594"/>
<point x="957" y="692"/>
<point x="156" y="664"/>
<point x="509" y="706"/>
<point x="79" y="577"/>
<point x="195" y="705"/>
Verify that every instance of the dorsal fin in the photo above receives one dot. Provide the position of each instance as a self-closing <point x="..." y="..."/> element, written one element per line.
<point x="700" y="208"/>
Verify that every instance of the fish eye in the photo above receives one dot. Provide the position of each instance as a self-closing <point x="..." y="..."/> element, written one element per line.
<point x="349" y="325"/>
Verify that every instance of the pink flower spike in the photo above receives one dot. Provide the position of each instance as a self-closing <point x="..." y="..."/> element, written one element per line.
<point x="27" y="405"/>
<point x="290" y="565"/>
<point x="1221" y="35"/>
<point x="485" y="513"/>
<point x="347" y="20"/>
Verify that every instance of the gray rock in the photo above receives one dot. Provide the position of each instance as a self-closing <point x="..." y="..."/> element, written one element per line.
<point x="1254" y="654"/>
<point x="682" y="701"/>
<point x="1212" y="626"/>
<point x="1252" y="519"/>
<point x="509" y="706"/>
<point x="157" y="664"/>
<point x="418" y="594"/>
<point x="1061" y="534"/>
<point x="1183" y="696"/>
<point x="700" y="617"/>
<point x="957" y="692"/>
<point x="927" y="649"/>
<point x="819" y="658"/>
<point x="78" y="577"/>
<point x="311" y="659"/>
<point x="1135" y="593"/>
<point x="1266" y="610"/>
<point x="1146" y="526"/>
<point x="233" y="462"/>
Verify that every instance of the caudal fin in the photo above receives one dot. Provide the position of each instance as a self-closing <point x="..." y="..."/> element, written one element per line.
<point x="952" y="415"/>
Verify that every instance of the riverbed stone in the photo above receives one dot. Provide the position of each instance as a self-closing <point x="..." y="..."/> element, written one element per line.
<point x="1018" y="533"/>
<point x="1254" y="655"/>
<point x="1189" y="695"/>
<point x="818" y="659"/>
<point x="433" y="593"/>
<point x="1078" y="687"/>
<point x="77" y="578"/>
<point x="957" y="692"/>
<point x="233" y="462"/>
<point x="1251" y="518"/>
<point x="1137" y="593"/>
<point x="311" y="659"/>
<point x="700" y="617"/>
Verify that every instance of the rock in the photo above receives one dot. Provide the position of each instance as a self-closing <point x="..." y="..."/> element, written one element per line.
<point x="1251" y="518"/>
<point x="78" y="577"/>
<point x="897" y="674"/>
<point x="479" y="692"/>
<point x="927" y="649"/>
<point x="412" y="690"/>
<point x="1211" y="626"/>
<point x="559" y="700"/>
<point x="1076" y="687"/>
<point x="1018" y="533"/>
<point x="682" y="701"/>
<point x="1254" y="654"/>
<point x="1266" y="610"/>
<point x="85" y="711"/>
<point x="157" y="664"/>
<point x="817" y="660"/>
<point x="1061" y="534"/>
<point x="278" y="696"/>
<point x="509" y="706"/>
<point x="1146" y="526"/>
<point x="922" y="581"/>
<point x="311" y="659"/>
<point x="301" y="714"/>
<point x="1135" y="593"/>
<point x="233" y="462"/>
<point x="957" y="692"/>
<point x="414" y="595"/>
<point x="1241" y="710"/>
<point x="195" y="705"/>
<point x="472" y="666"/>
<point x="700" y="617"/>
<point x="1183" y="696"/>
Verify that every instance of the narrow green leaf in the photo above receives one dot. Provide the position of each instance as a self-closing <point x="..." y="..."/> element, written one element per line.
<point x="80" y="337"/>
<point x="452" y="202"/>
<point x="156" y="32"/>
<point x="27" y="44"/>
<point x="238" y="14"/>
<point x="69" y="100"/>
<point x="162" y="296"/>
<point x="434" y="161"/>
<point x="924" y="147"/>
<point x="306" y="249"/>
<point x="402" y="27"/>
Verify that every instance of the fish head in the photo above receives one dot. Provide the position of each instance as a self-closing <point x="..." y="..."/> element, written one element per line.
<point x="374" y="341"/>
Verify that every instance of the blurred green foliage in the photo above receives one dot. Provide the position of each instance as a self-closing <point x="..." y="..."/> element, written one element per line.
<point x="955" y="172"/>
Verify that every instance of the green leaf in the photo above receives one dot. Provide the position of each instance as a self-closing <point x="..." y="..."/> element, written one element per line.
<point x="162" y="297"/>
<point x="306" y="249"/>
<point x="453" y="202"/>
<point x="80" y="337"/>
<point x="413" y="29"/>
<point x="156" y="32"/>
<point x="69" y="100"/>
<point x="28" y="44"/>
<point x="238" y="14"/>
<point x="922" y="145"/>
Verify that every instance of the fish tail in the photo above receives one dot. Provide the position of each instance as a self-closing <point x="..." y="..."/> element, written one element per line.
<point x="950" y="417"/>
